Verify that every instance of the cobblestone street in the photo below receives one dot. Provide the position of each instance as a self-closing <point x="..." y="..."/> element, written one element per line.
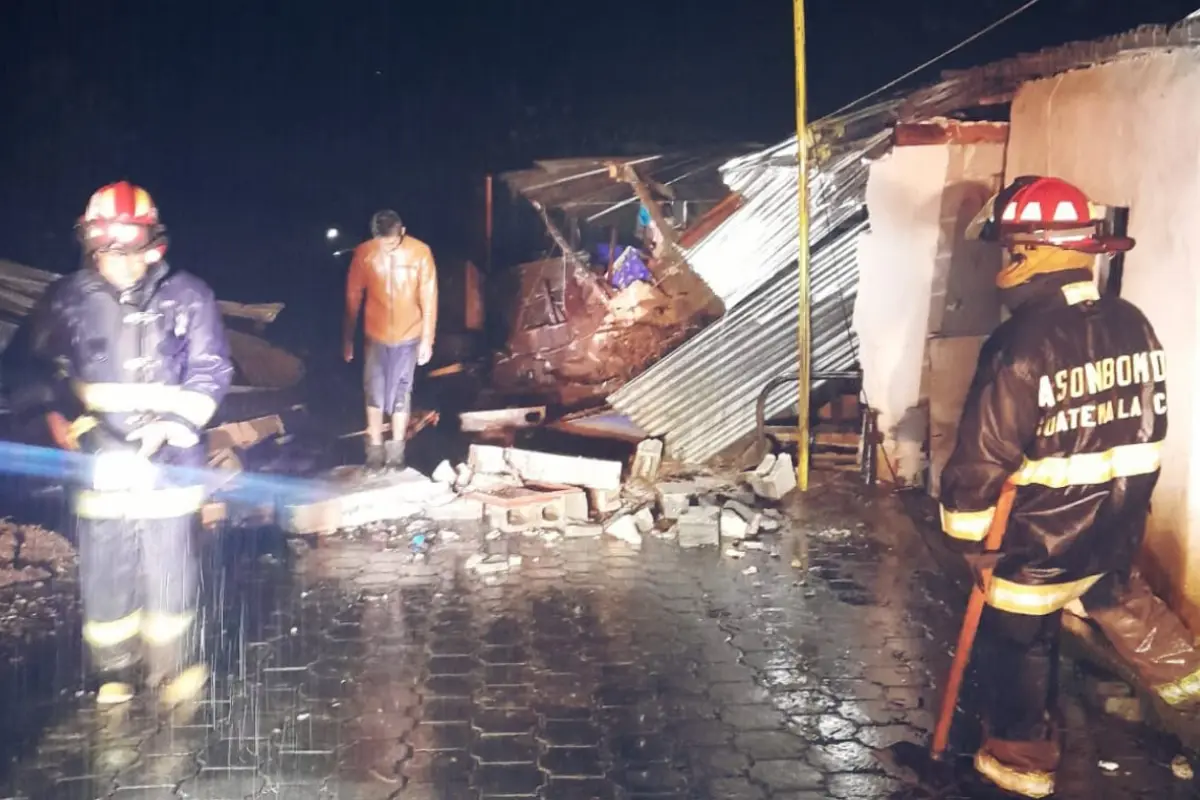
<point x="590" y="671"/>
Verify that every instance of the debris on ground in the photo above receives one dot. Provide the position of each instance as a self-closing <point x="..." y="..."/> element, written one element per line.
<point x="774" y="478"/>
<point x="511" y="491"/>
<point x="1182" y="768"/>
<point x="535" y="466"/>
<point x="624" y="528"/>
<point x="501" y="419"/>
<point x="605" y="501"/>
<point x="583" y="530"/>
<point x="1109" y="766"/>
<point x="491" y="564"/>
<point x="699" y="526"/>
<point x="647" y="461"/>
<point x="445" y="473"/>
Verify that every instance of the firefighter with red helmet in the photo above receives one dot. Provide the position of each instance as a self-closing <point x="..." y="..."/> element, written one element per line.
<point x="1068" y="404"/>
<point x="135" y="354"/>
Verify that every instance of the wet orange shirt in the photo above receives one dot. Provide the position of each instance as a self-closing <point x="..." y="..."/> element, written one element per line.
<point x="401" y="290"/>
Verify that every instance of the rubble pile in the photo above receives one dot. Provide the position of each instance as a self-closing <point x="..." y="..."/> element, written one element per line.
<point x="507" y="492"/>
<point x="516" y="491"/>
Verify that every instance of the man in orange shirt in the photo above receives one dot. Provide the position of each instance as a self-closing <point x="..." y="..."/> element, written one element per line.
<point x="397" y="273"/>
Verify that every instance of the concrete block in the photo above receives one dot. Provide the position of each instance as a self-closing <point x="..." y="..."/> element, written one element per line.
<point x="462" y="476"/>
<point x="739" y="521"/>
<point x="587" y="530"/>
<point x="699" y="526"/>
<point x="548" y="512"/>
<point x="444" y="473"/>
<point x="577" y="506"/>
<point x="647" y="461"/>
<point x="352" y="499"/>
<point x="604" y="501"/>
<point x="624" y="527"/>
<point x="734" y="525"/>
<point x="644" y="520"/>
<point x="774" y="478"/>
<point x="674" y="498"/>
<point x="534" y="466"/>
<point x="502" y="419"/>
<point x="488" y="459"/>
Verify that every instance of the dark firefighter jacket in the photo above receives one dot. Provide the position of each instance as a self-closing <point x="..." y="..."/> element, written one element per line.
<point x="120" y="360"/>
<point x="1069" y="402"/>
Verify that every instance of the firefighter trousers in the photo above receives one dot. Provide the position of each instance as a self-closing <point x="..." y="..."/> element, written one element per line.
<point x="1019" y="664"/>
<point x="139" y="584"/>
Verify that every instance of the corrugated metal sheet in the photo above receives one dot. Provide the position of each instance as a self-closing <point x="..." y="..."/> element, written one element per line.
<point x="702" y="396"/>
<point x="758" y="240"/>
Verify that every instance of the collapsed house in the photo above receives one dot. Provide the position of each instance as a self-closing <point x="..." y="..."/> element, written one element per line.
<point x="580" y="323"/>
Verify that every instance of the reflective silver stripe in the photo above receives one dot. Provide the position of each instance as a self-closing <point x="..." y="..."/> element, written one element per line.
<point x="1036" y="600"/>
<point x="1089" y="469"/>
<point x="143" y="504"/>
<point x="969" y="526"/>
<point x="108" y="634"/>
<point x="166" y="628"/>
<point x="128" y="398"/>
<point x="1028" y="783"/>
<point x="1082" y="292"/>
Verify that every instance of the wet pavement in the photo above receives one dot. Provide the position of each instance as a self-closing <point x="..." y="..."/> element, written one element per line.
<point x="352" y="670"/>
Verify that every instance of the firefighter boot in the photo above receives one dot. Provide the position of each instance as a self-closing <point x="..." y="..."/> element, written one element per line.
<point x="375" y="457"/>
<point x="117" y="668"/>
<point x="395" y="454"/>
<point x="186" y="687"/>
<point x="116" y="690"/>
<point x="1022" y="768"/>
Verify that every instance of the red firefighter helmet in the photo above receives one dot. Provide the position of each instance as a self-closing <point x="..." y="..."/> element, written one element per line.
<point x="122" y="217"/>
<point x="1038" y="211"/>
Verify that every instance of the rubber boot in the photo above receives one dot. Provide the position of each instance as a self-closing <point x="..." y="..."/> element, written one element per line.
<point x="394" y="455"/>
<point x="114" y="692"/>
<point x="186" y="687"/>
<point x="375" y="457"/>
<point x="118" y="669"/>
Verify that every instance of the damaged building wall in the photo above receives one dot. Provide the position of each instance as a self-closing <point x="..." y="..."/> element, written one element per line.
<point x="1128" y="133"/>
<point x="926" y="299"/>
<point x="895" y="260"/>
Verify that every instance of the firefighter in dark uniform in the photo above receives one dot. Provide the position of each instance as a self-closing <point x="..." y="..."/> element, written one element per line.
<point x="137" y="356"/>
<point x="1069" y="404"/>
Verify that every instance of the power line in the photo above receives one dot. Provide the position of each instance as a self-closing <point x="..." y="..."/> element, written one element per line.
<point x="933" y="60"/>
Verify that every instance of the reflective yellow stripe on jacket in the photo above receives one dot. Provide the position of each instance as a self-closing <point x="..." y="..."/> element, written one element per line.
<point x="1059" y="472"/>
<point x="177" y="501"/>
<point x="968" y="526"/>
<point x="129" y="398"/>
<point x="1089" y="469"/>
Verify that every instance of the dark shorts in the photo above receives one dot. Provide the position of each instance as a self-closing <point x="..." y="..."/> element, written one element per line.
<point x="388" y="374"/>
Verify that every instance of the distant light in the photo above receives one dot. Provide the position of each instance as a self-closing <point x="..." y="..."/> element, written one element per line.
<point x="331" y="234"/>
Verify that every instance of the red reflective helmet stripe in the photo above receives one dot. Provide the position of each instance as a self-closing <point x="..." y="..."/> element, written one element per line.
<point x="1047" y="204"/>
<point x="122" y="202"/>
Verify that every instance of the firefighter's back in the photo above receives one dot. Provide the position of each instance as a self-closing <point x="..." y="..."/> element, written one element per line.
<point x="1093" y="462"/>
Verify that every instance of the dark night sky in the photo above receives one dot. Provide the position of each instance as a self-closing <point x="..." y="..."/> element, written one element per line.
<point x="257" y="124"/>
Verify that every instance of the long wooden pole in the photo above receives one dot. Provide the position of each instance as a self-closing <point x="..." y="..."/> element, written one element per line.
<point x="970" y="625"/>
<point x="804" y="360"/>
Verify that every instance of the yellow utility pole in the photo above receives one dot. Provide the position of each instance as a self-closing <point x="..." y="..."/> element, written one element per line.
<point x="804" y="360"/>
